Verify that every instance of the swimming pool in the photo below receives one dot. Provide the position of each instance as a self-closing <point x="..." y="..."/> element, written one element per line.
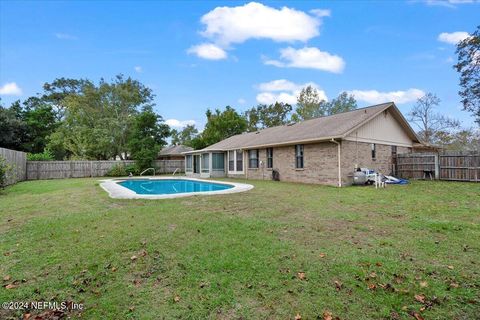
<point x="171" y="186"/>
<point x="167" y="187"/>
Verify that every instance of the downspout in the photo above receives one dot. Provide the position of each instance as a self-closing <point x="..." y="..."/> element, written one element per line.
<point x="339" y="156"/>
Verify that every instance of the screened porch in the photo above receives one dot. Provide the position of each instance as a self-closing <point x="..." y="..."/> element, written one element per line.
<point x="205" y="164"/>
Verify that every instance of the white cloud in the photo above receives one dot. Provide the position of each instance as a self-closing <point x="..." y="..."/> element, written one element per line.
<point x="278" y="85"/>
<point x="321" y="12"/>
<point x="174" y="123"/>
<point x="399" y="97"/>
<point x="448" y="3"/>
<point x="453" y="37"/>
<point x="283" y="90"/>
<point x="241" y="101"/>
<point x="10" y="89"/>
<point x="138" y="69"/>
<point x="227" y="25"/>
<point x="208" y="51"/>
<point x="270" y="97"/>
<point x="65" y="36"/>
<point x="310" y="58"/>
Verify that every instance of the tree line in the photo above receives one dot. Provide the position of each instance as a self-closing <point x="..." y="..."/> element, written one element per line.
<point x="78" y="119"/>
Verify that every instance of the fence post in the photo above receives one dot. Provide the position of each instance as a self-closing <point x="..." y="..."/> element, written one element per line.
<point x="38" y="170"/>
<point x="91" y="169"/>
<point x="437" y="166"/>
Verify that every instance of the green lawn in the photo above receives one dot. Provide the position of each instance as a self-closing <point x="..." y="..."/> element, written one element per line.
<point x="276" y="251"/>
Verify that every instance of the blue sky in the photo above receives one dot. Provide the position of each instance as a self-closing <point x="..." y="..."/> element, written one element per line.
<point x="197" y="55"/>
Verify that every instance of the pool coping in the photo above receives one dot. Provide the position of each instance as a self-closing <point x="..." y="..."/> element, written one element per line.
<point x="116" y="191"/>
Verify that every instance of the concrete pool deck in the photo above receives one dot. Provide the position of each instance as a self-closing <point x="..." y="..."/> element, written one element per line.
<point x="116" y="191"/>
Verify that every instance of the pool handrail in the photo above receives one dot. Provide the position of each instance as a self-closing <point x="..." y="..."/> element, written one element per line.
<point x="141" y="173"/>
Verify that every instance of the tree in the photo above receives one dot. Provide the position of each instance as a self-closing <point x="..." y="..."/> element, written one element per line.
<point x="13" y="129"/>
<point x="468" y="65"/>
<point x="59" y="89"/>
<point x="147" y="137"/>
<point x="467" y="139"/>
<point x="184" y="136"/>
<point x="267" y="116"/>
<point x="220" y="125"/>
<point x="41" y="122"/>
<point x="343" y="103"/>
<point x="430" y="123"/>
<point x="98" y="119"/>
<point x="309" y="105"/>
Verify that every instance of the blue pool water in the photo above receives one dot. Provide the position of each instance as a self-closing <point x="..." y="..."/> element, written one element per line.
<point x="171" y="186"/>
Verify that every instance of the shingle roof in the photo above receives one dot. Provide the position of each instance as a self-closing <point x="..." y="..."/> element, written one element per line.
<point x="318" y="129"/>
<point x="174" y="150"/>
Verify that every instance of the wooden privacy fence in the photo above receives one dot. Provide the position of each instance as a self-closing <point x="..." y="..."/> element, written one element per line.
<point x="455" y="166"/>
<point x="80" y="169"/>
<point x="17" y="160"/>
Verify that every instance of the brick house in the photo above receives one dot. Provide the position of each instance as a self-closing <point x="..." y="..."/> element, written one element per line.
<point x="323" y="150"/>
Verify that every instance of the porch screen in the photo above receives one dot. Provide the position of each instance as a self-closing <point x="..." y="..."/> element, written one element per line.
<point x="205" y="162"/>
<point x="189" y="163"/>
<point x="218" y="162"/>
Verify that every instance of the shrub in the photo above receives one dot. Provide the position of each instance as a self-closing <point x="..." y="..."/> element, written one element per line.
<point x="46" y="155"/>
<point x="133" y="169"/>
<point x="117" y="170"/>
<point x="5" y="168"/>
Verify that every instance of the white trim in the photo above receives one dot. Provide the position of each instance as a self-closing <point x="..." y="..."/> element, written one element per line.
<point x="235" y="171"/>
<point x="117" y="191"/>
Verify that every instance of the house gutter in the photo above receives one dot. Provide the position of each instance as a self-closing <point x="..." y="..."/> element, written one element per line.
<point x="339" y="156"/>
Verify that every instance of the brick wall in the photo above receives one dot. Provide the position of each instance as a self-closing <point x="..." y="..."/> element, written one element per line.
<point x="360" y="154"/>
<point x="321" y="163"/>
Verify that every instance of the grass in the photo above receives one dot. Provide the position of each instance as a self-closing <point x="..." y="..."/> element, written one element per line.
<point x="276" y="251"/>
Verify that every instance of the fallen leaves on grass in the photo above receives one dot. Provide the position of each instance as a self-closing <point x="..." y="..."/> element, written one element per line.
<point x="423" y="284"/>
<point x="176" y="299"/>
<point x="372" y="286"/>
<point x="327" y="315"/>
<point x="298" y="317"/>
<point x="416" y="315"/>
<point x="453" y="284"/>
<point x="450" y="267"/>
<point x="338" y="285"/>
<point x="301" y="275"/>
<point x="6" y="278"/>
<point x="133" y="258"/>
<point x="322" y="255"/>
<point x="10" y="286"/>
<point x="420" y="298"/>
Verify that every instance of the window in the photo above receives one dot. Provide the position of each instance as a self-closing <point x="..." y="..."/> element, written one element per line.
<point x="189" y="163"/>
<point x="374" y="151"/>
<point x="299" y="156"/>
<point x="196" y="163"/>
<point x="394" y="151"/>
<point x="253" y="158"/>
<point x="239" y="160"/>
<point x="218" y="162"/>
<point x="231" y="160"/>
<point x="205" y="162"/>
<point x="269" y="158"/>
